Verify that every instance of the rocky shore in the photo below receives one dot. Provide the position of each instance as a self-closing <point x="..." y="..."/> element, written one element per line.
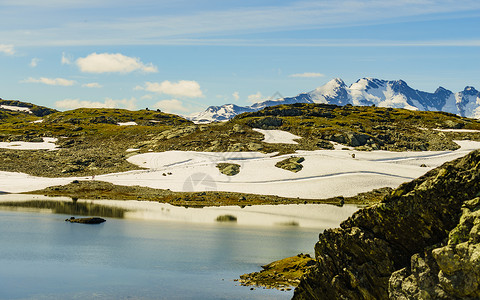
<point x="422" y="241"/>
<point x="92" y="189"/>
<point x="282" y="274"/>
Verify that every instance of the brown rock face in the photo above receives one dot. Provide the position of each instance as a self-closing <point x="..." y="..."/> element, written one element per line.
<point x="357" y="260"/>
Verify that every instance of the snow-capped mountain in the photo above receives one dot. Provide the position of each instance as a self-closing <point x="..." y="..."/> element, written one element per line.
<point x="366" y="91"/>
<point x="219" y="113"/>
<point x="468" y="102"/>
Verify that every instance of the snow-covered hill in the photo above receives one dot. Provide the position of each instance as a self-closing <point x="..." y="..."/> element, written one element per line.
<point x="366" y="91"/>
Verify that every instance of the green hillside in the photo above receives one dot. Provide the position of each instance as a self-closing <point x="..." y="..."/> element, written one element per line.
<point x="91" y="141"/>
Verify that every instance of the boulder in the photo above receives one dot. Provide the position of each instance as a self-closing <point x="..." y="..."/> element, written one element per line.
<point x="292" y="164"/>
<point x="228" y="169"/>
<point x="85" y="220"/>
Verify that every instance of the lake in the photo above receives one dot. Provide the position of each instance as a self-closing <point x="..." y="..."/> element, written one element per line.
<point x="44" y="257"/>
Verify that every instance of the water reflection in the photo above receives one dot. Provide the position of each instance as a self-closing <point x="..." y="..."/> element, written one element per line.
<point x="73" y="207"/>
<point x="309" y="215"/>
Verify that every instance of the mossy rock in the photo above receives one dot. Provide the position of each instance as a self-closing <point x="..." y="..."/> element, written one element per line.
<point x="229" y="169"/>
<point x="292" y="164"/>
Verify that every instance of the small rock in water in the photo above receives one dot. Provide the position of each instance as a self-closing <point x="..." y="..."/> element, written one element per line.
<point x="85" y="220"/>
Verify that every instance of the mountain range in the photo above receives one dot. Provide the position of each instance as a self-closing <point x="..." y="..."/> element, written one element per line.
<point x="364" y="92"/>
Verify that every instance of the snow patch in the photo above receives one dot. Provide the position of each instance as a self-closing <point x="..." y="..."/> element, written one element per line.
<point x="326" y="173"/>
<point x="127" y="123"/>
<point x="277" y="136"/>
<point x="16" y="108"/>
<point x="457" y="130"/>
<point x="47" y="144"/>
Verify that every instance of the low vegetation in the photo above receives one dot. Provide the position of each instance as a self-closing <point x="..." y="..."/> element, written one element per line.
<point x="91" y="142"/>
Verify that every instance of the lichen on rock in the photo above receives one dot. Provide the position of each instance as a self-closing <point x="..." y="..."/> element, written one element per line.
<point x="228" y="169"/>
<point x="420" y="242"/>
<point x="293" y="164"/>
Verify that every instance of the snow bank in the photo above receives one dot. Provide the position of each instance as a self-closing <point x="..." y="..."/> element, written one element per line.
<point x="47" y="144"/>
<point x="278" y="136"/>
<point x="12" y="182"/>
<point x="127" y="123"/>
<point x="326" y="173"/>
<point x="16" y="108"/>
<point x="457" y="130"/>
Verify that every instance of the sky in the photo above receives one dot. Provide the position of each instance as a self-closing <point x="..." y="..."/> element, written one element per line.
<point x="183" y="56"/>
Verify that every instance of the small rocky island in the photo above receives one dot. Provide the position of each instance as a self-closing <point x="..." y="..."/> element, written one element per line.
<point x="85" y="220"/>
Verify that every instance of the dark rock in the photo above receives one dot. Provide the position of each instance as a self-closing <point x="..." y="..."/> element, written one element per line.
<point x="86" y="220"/>
<point x="229" y="169"/>
<point x="381" y="250"/>
<point x="266" y="123"/>
<point x="292" y="164"/>
<point x="357" y="139"/>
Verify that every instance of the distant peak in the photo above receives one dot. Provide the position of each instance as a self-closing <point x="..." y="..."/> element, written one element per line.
<point x="336" y="81"/>
<point x="469" y="88"/>
<point x="441" y="89"/>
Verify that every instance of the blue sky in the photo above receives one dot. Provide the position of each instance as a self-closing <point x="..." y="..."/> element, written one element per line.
<point x="182" y="56"/>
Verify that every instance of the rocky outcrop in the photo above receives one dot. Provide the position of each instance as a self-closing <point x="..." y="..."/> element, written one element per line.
<point x="419" y="242"/>
<point x="281" y="274"/>
<point x="265" y="123"/>
<point x="293" y="164"/>
<point x="228" y="169"/>
<point x="449" y="271"/>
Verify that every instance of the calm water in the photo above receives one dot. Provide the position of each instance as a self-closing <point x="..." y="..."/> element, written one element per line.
<point x="44" y="257"/>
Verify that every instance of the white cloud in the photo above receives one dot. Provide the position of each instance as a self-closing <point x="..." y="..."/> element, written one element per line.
<point x="130" y="104"/>
<point x="182" y="88"/>
<point x="236" y="96"/>
<point x="171" y="106"/>
<point x="34" y="62"/>
<point x="92" y="85"/>
<point x="113" y="63"/>
<point x="254" y="98"/>
<point x="7" y="49"/>
<point x="66" y="60"/>
<point x="50" y="81"/>
<point x="307" y="75"/>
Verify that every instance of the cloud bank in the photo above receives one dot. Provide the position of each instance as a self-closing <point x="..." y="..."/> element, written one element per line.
<point x="112" y="63"/>
<point x="7" y="49"/>
<point x="171" y="106"/>
<point x="92" y="85"/>
<point x="50" y="81"/>
<point x="130" y="104"/>
<point x="191" y="26"/>
<point x="307" y="75"/>
<point x="182" y="88"/>
<point x="254" y="98"/>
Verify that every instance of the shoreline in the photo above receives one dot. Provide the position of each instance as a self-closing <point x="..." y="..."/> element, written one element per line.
<point x="96" y="190"/>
